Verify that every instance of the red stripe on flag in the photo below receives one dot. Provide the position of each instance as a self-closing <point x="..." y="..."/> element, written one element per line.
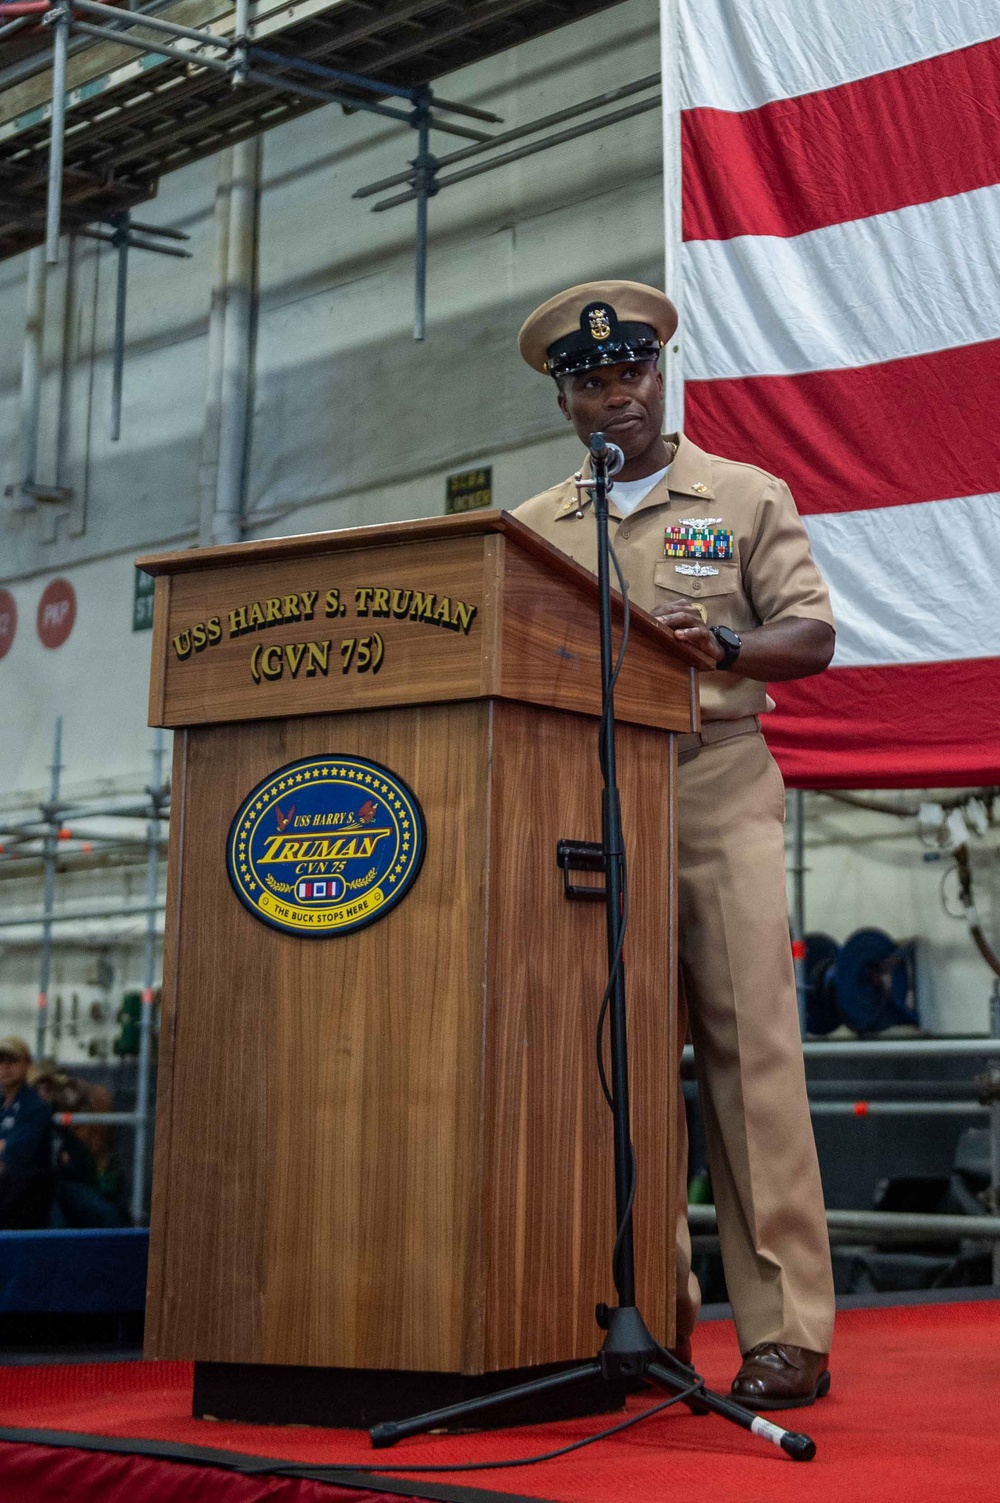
<point x="922" y="429"/>
<point x="904" y="137"/>
<point x="918" y="725"/>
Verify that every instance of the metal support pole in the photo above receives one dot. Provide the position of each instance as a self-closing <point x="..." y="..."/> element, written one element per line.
<point x="995" y="1133"/>
<point x="237" y="344"/>
<point x="670" y="73"/>
<point x="31" y="374"/>
<point x="51" y="855"/>
<point x="208" y="469"/>
<point x="241" y="29"/>
<point x="798" y="914"/>
<point x="121" y="241"/>
<point x="425" y="169"/>
<point x="141" y="1140"/>
<point x="57" y="132"/>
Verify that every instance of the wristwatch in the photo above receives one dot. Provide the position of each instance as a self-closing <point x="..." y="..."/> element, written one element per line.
<point x="730" y="642"/>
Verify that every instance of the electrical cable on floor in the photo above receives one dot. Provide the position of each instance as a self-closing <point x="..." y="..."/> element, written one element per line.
<point x="307" y="1469"/>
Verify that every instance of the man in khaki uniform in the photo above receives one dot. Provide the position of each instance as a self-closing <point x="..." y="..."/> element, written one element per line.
<point x="717" y="551"/>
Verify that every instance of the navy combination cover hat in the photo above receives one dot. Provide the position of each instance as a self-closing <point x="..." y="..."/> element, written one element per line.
<point x="597" y="323"/>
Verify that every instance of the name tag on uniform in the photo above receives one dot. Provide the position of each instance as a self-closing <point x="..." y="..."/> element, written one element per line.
<point x="686" y="541"/>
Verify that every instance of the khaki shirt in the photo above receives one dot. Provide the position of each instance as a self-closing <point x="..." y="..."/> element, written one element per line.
<point x="770" y="575"/>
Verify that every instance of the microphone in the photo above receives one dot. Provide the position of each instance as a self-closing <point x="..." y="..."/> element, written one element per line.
<point x="608" y="456"/>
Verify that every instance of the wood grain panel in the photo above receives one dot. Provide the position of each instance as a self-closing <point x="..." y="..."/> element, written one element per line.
<point x="534" y="634"/>
<point x="423" y="661"/>
<point x="548" y="1220"/>
<point x="551" y="652"/>
<point x="323" y="1123"/>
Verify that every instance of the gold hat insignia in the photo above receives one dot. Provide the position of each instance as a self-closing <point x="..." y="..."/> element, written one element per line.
<point x="600" y="326"/>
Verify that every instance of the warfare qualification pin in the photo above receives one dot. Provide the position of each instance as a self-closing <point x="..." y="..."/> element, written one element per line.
<point x="326" y="846"/>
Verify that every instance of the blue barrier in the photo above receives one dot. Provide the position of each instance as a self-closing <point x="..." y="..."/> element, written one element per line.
<point x="90" y="1270"/>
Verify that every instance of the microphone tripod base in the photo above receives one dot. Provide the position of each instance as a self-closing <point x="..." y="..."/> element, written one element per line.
<point x="628" y="1351"/>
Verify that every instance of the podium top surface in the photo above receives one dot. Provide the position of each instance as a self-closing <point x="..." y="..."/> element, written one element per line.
<point x="237" y="635"/>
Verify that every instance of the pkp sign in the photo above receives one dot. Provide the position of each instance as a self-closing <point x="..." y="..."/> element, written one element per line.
<point x="56" y="612"/>
<point x="8" y="622"/>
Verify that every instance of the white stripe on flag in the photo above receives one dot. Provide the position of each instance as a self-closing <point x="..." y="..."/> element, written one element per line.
<point x="912" y="584"/>
<point x="739" y="54"/>
<point x="919" y="279"/>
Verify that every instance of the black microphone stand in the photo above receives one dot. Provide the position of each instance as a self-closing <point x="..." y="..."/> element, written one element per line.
<point x="628" y="1351"/>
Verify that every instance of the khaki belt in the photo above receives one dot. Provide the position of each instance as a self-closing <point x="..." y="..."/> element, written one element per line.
<point x="691" y="742"/>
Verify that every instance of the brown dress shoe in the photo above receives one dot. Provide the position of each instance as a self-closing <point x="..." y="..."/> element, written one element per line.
<point x="776" y="1376"/>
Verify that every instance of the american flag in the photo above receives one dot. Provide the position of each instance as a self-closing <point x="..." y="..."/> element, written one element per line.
<point x="841" y="297"/>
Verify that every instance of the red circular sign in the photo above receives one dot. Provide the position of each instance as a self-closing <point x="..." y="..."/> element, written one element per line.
<point x="8" y="622"/>
<point x="56" y="612"/>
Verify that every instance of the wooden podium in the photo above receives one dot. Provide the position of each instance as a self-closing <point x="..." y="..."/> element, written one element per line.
<point x="386" y="1151"/>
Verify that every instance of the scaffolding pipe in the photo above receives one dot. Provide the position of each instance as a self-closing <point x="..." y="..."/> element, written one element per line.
<point x="995" y="1131"/>
<point x="146" y="1016"/>
<point x="544" y="122"/>
<point x="982" y="1047"/>
<point x="51" y="854"/>
<point x="93" y="1119"/>
<point x="57" y="133"/>
<point x="31" y="369"/>
<point x="237" y="344"/>
<point x="208" y="469"/>
<point x="670" y="85"/>
<point x="896" y="1108"/>
<point x="48" y="919"/>
<point x="158" y="49"/>
<point x="121" y="240"/>
<point x="425" y="168"/>
<point x="905" y="1225"/>
<point x="525" y="151"/>
<point x="126" y="18"/>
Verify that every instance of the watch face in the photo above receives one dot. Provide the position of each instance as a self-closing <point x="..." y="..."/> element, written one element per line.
<point x="728" y="636"/>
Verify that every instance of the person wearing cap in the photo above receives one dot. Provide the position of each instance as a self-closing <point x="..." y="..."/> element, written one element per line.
<point x="25" y="1142"/>
<point x="716" y="551"/>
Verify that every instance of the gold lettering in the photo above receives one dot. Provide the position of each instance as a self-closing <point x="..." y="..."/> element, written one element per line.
<point x="238" y="621"/>
<point x="273" y="609"/>
<point x="463" y="615"/>
<point x="319" y="658"/>
<point x="182" y="645"/>
<point x="380" y="602"/>
<point x="270" y="662"/>
<point x="290" y="608"/>
<point x="362" y="596"/>
<point x="214" y="631"/>
<point x="333" y="602"/>
<point x="422" y="606"/>
<point x="199" y="637"/>
<point x="294" y="653"/>
<point x="401" y="602"/>
<point x="255" y="616"/>
<point x="308" y="599"/>
<point x="443" y="614"/>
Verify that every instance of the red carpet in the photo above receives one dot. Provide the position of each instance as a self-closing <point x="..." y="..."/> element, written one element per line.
<point x="913" y="1417"/>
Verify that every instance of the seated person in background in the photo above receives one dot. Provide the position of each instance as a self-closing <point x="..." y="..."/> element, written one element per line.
<point x="25" y="1142"/>
<point x="84" y="1168"/>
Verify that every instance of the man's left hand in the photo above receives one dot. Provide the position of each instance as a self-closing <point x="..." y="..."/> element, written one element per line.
<point x="688" y="627"/>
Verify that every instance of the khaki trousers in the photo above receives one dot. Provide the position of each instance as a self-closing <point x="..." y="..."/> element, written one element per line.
<point x="738" y="984"/>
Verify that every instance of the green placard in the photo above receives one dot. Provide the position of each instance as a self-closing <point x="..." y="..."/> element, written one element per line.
<point x="469" y="490"/>
<point x="142" y="602"/>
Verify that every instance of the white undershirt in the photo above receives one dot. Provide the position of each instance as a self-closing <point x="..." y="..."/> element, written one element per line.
<point x="627" y="494"/>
